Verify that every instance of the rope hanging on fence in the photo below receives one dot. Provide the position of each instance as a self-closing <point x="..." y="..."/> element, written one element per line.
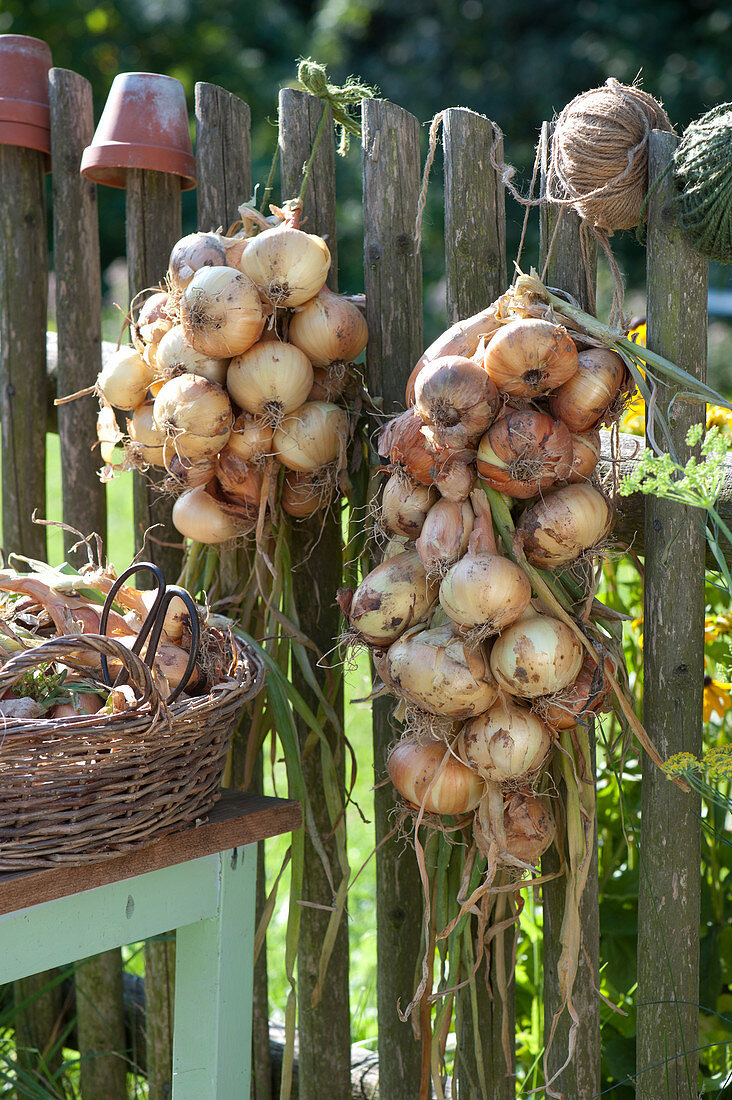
<point x="703" y="174"/>
<point x="313" y="78"/>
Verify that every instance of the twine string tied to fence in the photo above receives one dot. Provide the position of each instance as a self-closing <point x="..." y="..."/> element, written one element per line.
<point x="342" y="99"/>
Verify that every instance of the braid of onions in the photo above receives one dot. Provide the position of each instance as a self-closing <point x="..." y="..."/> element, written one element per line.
<point x="239" y="379"/>
<point x="493" y="517"/>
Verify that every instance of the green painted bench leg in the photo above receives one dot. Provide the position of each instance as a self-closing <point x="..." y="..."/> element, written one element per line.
<point x="213" y="990"/>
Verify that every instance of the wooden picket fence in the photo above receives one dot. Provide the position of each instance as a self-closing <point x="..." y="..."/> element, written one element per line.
<point x="476" y="270"/>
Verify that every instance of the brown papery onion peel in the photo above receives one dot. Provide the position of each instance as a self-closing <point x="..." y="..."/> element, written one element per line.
<point x="404" y="506"/>
<point x="391" y="598"/>
<point x="528" y="358"/>
<point x="429" y="777"/>
<point x="584" y="399"/>
<point x="456" y="400"/>
<point x="524" y="452"/>
<point x="329" y="329"/>
<point x="444" y="536"/>
<point x="221" y="312"/>
<point x="537" y="655"/>
<point x="567" y="523"/>
<point x="437" y="672"/>
<point x="505" y="743"/>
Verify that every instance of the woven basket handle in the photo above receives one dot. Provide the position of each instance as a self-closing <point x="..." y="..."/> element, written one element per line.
<point x="63" y="649"/>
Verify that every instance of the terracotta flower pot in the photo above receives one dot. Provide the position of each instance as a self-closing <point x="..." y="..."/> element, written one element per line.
<point x="144" y="124"/>
<point x="25" y="116"/>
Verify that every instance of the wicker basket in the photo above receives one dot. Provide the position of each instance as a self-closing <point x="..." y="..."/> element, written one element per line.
<point x="79" y="789"/>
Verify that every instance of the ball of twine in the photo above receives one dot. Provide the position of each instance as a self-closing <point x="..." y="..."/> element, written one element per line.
<point x="599" y="154"/>
<point x="703" y="175"/>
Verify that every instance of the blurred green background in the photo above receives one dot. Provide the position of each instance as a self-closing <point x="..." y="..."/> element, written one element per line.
<point x="516" y="63"/>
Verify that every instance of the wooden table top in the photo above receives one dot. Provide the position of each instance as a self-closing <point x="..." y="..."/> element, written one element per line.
<point x="237" y="819"/>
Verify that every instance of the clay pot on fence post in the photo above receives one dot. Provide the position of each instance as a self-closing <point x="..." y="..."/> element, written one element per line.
<point x="25" y="116"/>
<point x="144" y="124"/>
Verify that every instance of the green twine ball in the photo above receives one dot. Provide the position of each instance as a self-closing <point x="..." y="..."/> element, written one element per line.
<point x="703" y="174"/>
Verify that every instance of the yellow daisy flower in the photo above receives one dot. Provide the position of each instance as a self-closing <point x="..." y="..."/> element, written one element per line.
<point x="716" y="698"/>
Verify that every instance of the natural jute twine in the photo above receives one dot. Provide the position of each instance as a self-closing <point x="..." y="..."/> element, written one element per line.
<point x="703" y="175"/>
<point x="599" y="154"/>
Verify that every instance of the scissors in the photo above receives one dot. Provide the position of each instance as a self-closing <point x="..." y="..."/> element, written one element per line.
<point x="153" y="624"/>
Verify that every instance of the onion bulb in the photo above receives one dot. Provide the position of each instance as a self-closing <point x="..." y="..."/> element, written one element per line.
<point x="456" y="400"/>
<point x="566" y="523"/>
<point x="483" y="592"/>
<point x="190" y="254"/>
<point x="391" y="598"/>
<point x="404" y="505"/>
<point x="196" y="416"/>
<point x="586" y="695"/>
<point x="311" y="437"/>
<point x="538" y="655"/>
<point x="437" y="672"/>
<point x="524" y="452"/>
<point x="199" y="516"/>
<point x="221" y="312"/>
<point x="303" y="494"/>
<point x="239" y="481"/>
<point x="528" y="827"/>
<point x="251" y="438"/>
<point x="153" y="320"/>
<point x="329" y="383"/>
<point x="410" y="453"/>
<point x="585" y="397"/>
<point x="184" y="474"/>
<point x="428" y="776"/>
<point x="146" y="439"/>
<point x="288" y="266"/>
<point x="124" y="379"/>
<point x="270" y="380"/>
<point x="504" y="743"/>
<point x="176" y="356"/>
<point x="585" y="455"/>
<point x="329" y="329"/>
<point x="529" y="357"/>
<point x="445" y="535"/>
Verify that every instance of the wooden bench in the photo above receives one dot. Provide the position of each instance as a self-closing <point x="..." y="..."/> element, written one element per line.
<point x="200" y="881"/>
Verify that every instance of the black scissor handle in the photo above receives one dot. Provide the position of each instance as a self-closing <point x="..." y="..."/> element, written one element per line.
<point x="153" y="623"/>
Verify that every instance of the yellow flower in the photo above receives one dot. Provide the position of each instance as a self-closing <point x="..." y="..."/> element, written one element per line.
<point x="633" y="420"/>
<point x="719" y="417"/>
<point x="715" y="625"/>
<point x="680" y="763"/>
<point x="716" y="698"/>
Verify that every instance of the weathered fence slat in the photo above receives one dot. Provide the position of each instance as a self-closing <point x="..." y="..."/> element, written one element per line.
<point x="669" y="889"/>
<point x="223" y="160"/>
<point x="153" y="225"/>
<point x="475" y="264"/>
<point x="571" y="267"/>
<point x="100" y="1021"/>
<point x="78" y="303"/>
<point x="223" y="155"/>
<point x="23" y="298"/>
<point x="324" y="1028"/>
<point x="393" y="284"/>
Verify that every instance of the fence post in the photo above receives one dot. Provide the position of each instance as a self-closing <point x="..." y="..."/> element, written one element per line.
<point x="670" y="847"/>
<point x="393" y="284"/>
<point x="323" y="1029"/>
<point x="153" y="221"/>
<point x="567" y="270"/>
<point x="223" y="156"/>
<point x="24" y="282"/>
<point x="475" y="264"/>
<point x="78" y="303"/>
